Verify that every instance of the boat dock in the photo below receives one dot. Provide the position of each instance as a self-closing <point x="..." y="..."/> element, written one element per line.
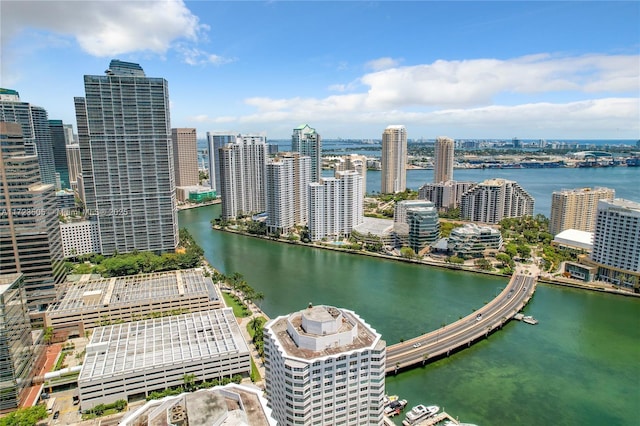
<point x="434" y="420"/>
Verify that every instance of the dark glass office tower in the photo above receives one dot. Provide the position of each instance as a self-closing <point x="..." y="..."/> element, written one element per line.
<point x="124" y="133"/>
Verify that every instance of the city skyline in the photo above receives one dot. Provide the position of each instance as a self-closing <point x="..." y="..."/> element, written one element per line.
<point x="534" y="69"/>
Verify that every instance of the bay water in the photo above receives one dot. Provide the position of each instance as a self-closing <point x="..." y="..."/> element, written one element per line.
<point x="578" y="366"/>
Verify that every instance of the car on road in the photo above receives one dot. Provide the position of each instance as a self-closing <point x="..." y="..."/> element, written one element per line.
<point x="417" y="345"/>
<point x="479" y="317"/>
<point x="56" y="415"/>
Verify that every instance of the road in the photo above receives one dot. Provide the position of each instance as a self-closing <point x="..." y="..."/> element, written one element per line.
<point x="465" y="331"/>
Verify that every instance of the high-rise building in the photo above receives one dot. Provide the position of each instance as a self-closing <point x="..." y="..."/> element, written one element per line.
<point x="215" y="141"/>
<point x="127" y="162"/>
<point x="354" y="162"/>
<point x="16" y="344"/>
<point x="324" y="366"/>
<point x="307" y="142"/>
<point x="576" y="208"/>
<point x="287" y="187"/>
<point x="59" y="142"/>
<point x="495" y="199"/>
<point x="394" y="160"/>
<point x="444" y="195"/>
<point x="242" y="176"/>
<point x="185" y="156"/>
<point x="30" y="240"/>
<point x="336" y="205"/>
<point x="443" y="161"/>
<point x="616" y="242"/>
<point x="35" y="131"/>
<point x="74" y="164"/>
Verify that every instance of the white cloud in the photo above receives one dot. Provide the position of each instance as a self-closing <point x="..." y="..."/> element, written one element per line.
<point x="108" y="28"/>
<point x="606" y="118"/>
<point x="382" y="63"/>
<point x="195" y="56"/>
<point x="477" y="82"/>
<point x="589" y="94"/>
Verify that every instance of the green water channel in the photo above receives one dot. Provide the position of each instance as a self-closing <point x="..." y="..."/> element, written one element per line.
<point x="578" y="366"/>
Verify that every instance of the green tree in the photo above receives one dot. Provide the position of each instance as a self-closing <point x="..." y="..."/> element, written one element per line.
<point x="450" y="213"/>
<point x="504" y="258"/>
<point x="483" y="264"/>
<point x="524" y="250"/>
<point x="189" y="382"/>
<point x="48" y="335"/>
<point x="25" y="416"/>
<point x="511" y="249"/>
<point x="408" y="253"/>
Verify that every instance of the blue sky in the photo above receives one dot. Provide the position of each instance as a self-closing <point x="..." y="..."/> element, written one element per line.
<point x="553" y="70"/>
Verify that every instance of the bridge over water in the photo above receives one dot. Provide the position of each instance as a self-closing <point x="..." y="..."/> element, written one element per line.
<point x="464" y="332"/>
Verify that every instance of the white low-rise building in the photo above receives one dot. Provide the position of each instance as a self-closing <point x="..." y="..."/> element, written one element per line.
<point x="229" y="405"/>
<point x="324" y="366"/>
<point x="574" y="239"/>
<point x="128" y="361"/>
<point x="80" y="237"/>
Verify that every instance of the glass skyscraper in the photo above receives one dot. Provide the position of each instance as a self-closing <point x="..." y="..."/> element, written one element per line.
<point x="30" y="240"/>
<point x="307" y="142"/>
<point x="17" y="352"/>
<point x="124" y="134"/>
<point x="35" y="131"/>
<point x="215" y="141"/>
<point x="59" y="141"/>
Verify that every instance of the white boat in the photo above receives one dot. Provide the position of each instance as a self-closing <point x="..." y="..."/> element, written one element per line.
<point x="529" y="319"/>
<point x="394" y="407"/>
<point x="418" y="413"/>
<point x="389" y="399"/>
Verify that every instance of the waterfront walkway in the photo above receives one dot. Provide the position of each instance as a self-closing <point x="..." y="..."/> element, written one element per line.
<point x="464" y="332"/>
<point x="257" y="360"/>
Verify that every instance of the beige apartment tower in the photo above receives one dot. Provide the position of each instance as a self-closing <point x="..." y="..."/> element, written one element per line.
<point x="443" y="161"/>
<point x="394" y="160"/>
<point x="185" y="156"/>
<point x="576" y="208"/>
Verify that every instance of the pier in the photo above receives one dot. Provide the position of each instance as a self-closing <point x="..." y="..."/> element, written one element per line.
<point x="464" y="332"/>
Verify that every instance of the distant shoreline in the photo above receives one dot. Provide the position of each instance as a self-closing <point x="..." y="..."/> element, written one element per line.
<point x="597" y="287"/>
<point x="195" y="206"/>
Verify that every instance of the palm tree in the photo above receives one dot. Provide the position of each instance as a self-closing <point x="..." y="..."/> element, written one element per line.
<point x="235" y="279"/>
<point x="256" y="325"/>
<point x="425" y="357"/>
<point x="258" y="297"/>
